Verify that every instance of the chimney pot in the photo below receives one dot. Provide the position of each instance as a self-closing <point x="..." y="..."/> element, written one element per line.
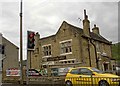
<point x="94" y="25"/>
<point x="95" y="29"/>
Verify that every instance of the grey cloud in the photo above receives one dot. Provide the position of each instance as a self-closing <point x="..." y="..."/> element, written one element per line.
<point x="45" y="17"/>
<point x="101" y="13"/>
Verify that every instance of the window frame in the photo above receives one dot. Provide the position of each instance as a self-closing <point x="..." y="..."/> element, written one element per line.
<point x="47" y="50"/>
<point x="65" y="47"/>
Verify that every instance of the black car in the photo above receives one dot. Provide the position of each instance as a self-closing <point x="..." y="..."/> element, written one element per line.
<point x="33" y="72"/>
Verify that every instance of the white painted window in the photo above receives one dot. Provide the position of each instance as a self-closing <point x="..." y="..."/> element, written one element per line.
<point x="66" y="47"/>
<point x="47" y="50"/>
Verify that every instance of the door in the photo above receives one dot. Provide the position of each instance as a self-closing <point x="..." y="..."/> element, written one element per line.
<point x="106" y="67"/>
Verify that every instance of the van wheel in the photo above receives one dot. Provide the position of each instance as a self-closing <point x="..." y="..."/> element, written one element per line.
<point x="103" y="83"/>
<point x="68" y="83"/>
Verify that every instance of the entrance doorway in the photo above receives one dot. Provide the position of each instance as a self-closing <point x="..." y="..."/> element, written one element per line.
<point x="105" y="66"/>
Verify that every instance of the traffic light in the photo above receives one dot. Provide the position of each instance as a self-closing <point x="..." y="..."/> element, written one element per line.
<point x="30" y="43"/>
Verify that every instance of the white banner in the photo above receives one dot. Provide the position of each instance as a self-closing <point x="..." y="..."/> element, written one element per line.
<point x="12" y="72"/>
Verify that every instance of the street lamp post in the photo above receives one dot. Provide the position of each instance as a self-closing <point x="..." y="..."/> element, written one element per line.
<point x="21" y="59"/>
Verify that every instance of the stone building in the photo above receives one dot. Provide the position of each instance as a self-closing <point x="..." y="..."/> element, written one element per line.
<point x="8" y="56"/>
<point x="72" y="46"/>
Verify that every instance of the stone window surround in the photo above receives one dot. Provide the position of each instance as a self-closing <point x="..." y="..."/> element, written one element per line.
<point x="68" y="61"/>
<point x="47" y="55"/>
<point x="64" y="42"/>
<point x="46" y="45"/>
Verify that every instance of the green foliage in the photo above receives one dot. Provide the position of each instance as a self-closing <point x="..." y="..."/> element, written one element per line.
<point x="116" y="51"/>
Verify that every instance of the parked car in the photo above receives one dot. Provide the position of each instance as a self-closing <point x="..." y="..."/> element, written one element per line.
<point x="34" y="72"/>
<point x="118" y="71"/>
<point x="90" y="76"/>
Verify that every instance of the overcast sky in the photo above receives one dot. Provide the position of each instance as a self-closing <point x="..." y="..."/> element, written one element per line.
<point x="46" y="16"/>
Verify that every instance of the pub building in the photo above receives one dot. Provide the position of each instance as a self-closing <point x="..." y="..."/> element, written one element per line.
<point x="72" y="46"/>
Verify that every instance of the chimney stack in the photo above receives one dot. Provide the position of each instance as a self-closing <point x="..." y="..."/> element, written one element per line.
<point x="86" y="25"/>
<point x="95" y="30"/>
<point x="37" y="37"/>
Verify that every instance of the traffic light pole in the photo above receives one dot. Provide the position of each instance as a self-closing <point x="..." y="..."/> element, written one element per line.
<point x="21" y="52"/>
<point x="27" y="79"/>
<point x="30" y="47"/>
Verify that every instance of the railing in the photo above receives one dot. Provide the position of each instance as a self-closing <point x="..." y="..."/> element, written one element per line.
<point x="66" y="81"/>
<point x="75" y="81"/>
<point x="92" y="81"/>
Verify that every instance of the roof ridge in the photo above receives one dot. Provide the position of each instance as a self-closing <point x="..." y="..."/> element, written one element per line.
<point x="72" y="25"/>
<point x="79" y="30"/>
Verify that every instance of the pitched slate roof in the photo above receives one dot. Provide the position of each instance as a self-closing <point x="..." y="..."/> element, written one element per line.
<point x="99" y="38"/>
<point x="80" y="30"/>
<point x="92" y="35"/>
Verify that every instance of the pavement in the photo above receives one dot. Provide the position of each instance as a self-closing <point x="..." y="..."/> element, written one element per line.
<point x="11" y="84"/>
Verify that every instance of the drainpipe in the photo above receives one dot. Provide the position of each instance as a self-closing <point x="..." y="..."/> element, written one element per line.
<point x="95" y="53"/>
<point x="89" y="52"/>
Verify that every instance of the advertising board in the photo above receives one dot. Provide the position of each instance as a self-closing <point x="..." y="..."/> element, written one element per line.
<point x="12" y="72"/>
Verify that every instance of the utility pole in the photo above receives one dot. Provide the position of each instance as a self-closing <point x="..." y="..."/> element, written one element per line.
<point x="21" y="53"/>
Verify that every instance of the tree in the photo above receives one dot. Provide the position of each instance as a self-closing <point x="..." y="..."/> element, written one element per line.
<point x="116" y="51"/>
